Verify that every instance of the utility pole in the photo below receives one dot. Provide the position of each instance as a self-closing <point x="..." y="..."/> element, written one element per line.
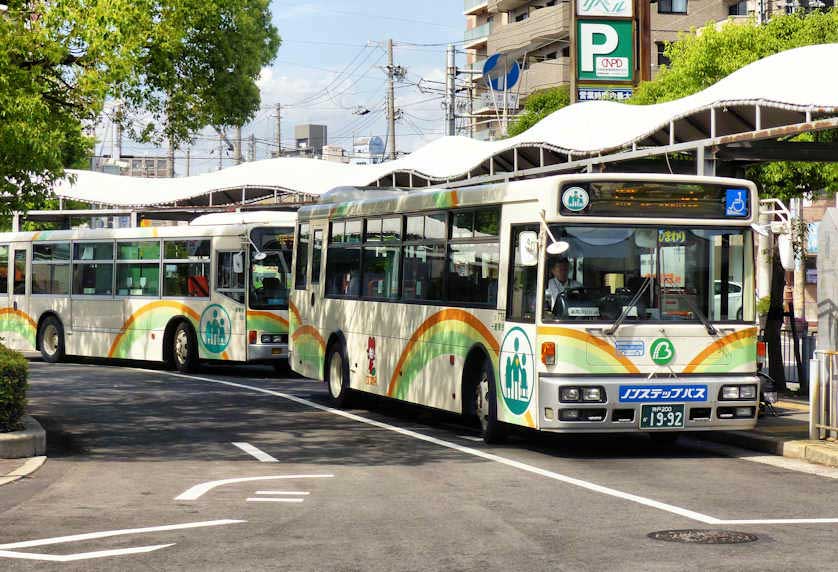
<point x="237" y="145"/>
<point x="391" y="104"/>
<point x="188" y="159"/>
<point x="251" y="151"/>
<point x="451" y="91"/>
<point x="220" y="150"/>
<point x="278" y="134"/>
<point x="170" y="167"/>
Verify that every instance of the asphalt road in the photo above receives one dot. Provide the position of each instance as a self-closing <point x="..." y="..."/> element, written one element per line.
<point x="388" y="487"/>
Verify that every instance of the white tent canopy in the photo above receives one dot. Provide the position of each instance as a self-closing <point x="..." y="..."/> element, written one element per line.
<point x="775" y="91"/>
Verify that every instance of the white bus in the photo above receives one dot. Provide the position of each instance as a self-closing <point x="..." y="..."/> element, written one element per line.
<point x="583" y="303"/>
<point x="214" y="290"/>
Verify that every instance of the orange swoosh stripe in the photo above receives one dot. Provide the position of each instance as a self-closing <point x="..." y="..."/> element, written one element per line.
<point x="268" y="315"/>
<point x="589" y="339"/>
<point x="296" y="312"/>
<point x="450" y="314"/>
<point x="718" y="345"/>
<point x="148" y="308"/>
<point x="20" y="313"/>
<point x="311" y="331"/>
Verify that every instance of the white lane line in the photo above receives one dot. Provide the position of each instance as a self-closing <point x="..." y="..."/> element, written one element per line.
<point x="692" y="515"/>
<point x="81" y="555"/>
<point x="471" y="438"/>
<point x="271" y="499"/>
<point x="197" y="491"/>
<point x="258" y="453"/>
<point x="109" y="533"/>
<point x="287" y="493"/>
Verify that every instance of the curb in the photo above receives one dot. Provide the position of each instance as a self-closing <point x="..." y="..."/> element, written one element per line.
<point x="25" y="470"/>
<point x="30" y="442"/>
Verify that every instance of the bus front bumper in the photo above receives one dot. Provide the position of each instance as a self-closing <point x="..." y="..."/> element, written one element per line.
<point x="632" y="404"/>
<point x="267" y="352"/>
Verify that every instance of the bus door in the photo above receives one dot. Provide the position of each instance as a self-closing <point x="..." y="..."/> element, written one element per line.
<point x="307" y="301"/>
<point x="24" y="336"/>
<point x="516" y="381"/>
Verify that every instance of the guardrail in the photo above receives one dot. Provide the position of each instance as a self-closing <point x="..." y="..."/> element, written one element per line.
<point x="823" y="395"/>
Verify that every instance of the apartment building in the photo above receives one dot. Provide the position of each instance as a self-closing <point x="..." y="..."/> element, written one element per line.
<point x="537" y="33"/>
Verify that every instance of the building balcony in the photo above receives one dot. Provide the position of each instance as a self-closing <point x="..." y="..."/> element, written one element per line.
<point x="477" y="35"/>
<point x="545" y="24"/>
<point x="497" y="6"/>
<point x="471" y="7"/>
<point x="544" y="75"/>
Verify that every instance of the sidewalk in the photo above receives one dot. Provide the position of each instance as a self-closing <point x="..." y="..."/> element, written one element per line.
<point x="785" y="434"/>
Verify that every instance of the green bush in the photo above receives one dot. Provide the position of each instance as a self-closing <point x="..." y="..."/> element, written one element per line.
<point x="14" y="371"/>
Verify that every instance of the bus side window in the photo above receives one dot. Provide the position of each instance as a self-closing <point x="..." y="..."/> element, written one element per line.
<point x="522" y="291"/>
<point x="302" y="257"/>
<point x="19" y="286"/>
<point x="316" y="256"/>
<point x="4" y="269"/>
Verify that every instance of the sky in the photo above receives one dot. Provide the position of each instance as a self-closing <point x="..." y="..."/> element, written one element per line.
<point x="330" y="62"/>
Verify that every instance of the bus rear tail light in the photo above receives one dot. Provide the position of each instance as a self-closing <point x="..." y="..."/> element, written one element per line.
<point x="761" y="353"/>
<point x="548" y="353"/>
<point x="251" y="336"/>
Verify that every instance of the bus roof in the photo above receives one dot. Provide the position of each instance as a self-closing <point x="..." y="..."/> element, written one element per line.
<point x="540" y="189"/>
<point x="246" y="217"/>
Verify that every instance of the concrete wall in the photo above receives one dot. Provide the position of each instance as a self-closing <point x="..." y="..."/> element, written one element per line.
<point x="828" y="281"/>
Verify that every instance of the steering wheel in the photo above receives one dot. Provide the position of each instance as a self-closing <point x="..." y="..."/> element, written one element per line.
<point x="560" y="307"/>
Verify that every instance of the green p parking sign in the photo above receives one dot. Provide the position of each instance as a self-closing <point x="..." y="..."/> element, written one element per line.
<point x="605" y="50"/>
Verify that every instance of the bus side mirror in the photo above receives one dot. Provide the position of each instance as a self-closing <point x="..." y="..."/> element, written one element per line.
<point x="238" y="263"/>
<point x="528" y="248"/>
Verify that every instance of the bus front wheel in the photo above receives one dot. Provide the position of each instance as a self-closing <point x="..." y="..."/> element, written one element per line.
<point x="337" y="379"/>
<point x="52" y="340"/>
<point x="486" y="405"/>
<point x="185" y="348"/>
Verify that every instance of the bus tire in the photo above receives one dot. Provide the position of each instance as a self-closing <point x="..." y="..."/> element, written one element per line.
<point x="337" y="375"/>
<point x="485" y="404"/>
<point x="51" y="340"/>
<point x="185" y="348"/>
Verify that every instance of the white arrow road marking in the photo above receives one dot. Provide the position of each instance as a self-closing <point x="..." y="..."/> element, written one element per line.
<point x="692" y="515"/>
<point x="289" y="493"/>
<point x="199" y="490"/>
<point x="258" y="453"/>
<point x="6" y="553"/>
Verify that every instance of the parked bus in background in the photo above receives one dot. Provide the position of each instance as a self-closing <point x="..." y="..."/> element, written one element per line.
<point x="583" y="303"/>
<point x="216" y="289"/>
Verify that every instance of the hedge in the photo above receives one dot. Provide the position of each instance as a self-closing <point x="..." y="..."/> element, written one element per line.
<point x="14" y="371"/>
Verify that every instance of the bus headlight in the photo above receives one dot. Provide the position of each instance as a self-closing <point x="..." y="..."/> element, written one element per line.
<point x="748" y="392"/>
<point x="568" y="394"/>
<point x="738" y="392"/>
<point x="591" y="394"/>
<point x="730" y="392"/>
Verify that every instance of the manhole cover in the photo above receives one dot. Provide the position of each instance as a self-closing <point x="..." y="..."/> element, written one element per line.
<point x="695" y="536"/>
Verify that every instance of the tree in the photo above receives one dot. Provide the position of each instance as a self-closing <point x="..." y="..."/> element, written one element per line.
<point x="177" y="65"/>
<point x="538" y="106"/>
<point x="700" y="59"/>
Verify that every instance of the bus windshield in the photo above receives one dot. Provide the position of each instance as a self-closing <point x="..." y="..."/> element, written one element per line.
<point x="270" y="277"/>
<point x="648" y="273"/>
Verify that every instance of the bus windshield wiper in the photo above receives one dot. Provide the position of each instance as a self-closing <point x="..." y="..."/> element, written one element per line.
<point x="626" y="309"/>
<point x="697" y="311"/>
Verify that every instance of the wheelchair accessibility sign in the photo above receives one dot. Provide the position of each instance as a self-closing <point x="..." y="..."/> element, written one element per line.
<point x="736" y="202"/>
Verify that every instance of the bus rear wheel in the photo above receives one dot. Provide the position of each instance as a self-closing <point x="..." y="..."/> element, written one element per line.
<point x="51" y="340"/>
<point x="337" y="376"/>
<point x="185" y="348"/>
<point x="486" y="405"/>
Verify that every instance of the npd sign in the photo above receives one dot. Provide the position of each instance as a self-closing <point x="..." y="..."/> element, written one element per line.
<point x="605" y="50"/>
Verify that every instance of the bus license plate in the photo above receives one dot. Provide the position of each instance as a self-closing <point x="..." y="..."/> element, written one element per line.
<point x="276" y="351"/>
<point x="662" y="416"/>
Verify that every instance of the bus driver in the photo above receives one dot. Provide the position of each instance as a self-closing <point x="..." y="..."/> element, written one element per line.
<point x="559" y="280"/>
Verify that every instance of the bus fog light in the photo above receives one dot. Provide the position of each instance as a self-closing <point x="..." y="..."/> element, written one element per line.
<point x="591" y="394"/>
<point x="744" y="412"/>
<point x="568" y="394"/>
<point x="748" y="392"/>
<point x="730" y="392"/>
<point x="548" y="413"/>
<point x="569" y="415"/>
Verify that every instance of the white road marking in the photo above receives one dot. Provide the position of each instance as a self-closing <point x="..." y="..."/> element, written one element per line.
<point x="258" y="453"/>
<point x="471" y="438"/>
<point x="6" y="552"/>
<point x="271" y="499"/>
<point x="692" y="515"/>
<point x="197" y="491"/>
<point x="288" y="493"/>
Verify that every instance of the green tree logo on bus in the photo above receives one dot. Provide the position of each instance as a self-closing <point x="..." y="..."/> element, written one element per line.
<point x="517" y="371"/>
<point x="662" y="351"/>
<point x="215" y="328"/>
